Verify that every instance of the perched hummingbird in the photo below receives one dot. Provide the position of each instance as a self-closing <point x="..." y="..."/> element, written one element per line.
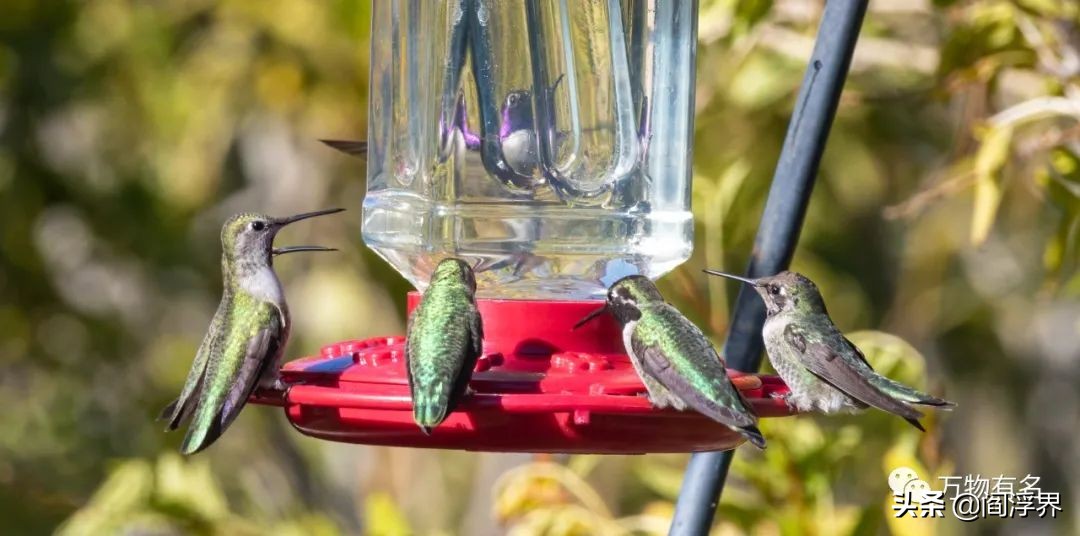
<point x="247" y="336"/>
<point x="444" y="339"/>
<point x="822" y="368"/>
<point x="677" y="364"/>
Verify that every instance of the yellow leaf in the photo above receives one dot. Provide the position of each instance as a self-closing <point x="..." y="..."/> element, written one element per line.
<point x="989" y="161"/>
<point x="903" y="456"/>
<point x="383" y="516"/>
<point x="127" y="489"/>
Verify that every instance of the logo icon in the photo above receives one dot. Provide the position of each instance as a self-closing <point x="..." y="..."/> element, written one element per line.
<point x="904" y="481"/>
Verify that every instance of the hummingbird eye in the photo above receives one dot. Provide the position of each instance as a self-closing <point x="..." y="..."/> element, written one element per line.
<point x="774" y="289"/>
<point x="258" y="225"/>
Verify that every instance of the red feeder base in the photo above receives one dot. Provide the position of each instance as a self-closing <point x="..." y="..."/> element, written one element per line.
<point x="539" y="387"/>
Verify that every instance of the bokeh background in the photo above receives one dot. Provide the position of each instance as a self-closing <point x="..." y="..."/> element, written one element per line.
<point x="945" y="226"/>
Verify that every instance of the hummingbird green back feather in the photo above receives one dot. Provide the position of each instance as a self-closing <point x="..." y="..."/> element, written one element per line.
<point x="443" y="341"/>
<point x="252" y="340"/>
<point x="676" y="362"/>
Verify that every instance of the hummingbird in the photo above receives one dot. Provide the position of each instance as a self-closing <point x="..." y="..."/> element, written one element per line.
<point x="247" y="336"/>
<point x="443" y="340"/>
<point x="516" y="136"/>
<point x="823" y="369"/>
<point x="676" y="362"/>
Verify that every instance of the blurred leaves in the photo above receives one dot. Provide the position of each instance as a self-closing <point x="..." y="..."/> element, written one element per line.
<point x="383" y="517"/>
<point x="1061" y="178"/>
<point x="989" y="162"/>
<point x="546" y="498"/>
<point x="173" y="496"/>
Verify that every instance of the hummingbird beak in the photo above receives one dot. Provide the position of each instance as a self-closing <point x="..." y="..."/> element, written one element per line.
<point x="282" y="222"/>
<point x="349" y="147"/>
<point x="294" y="249"/>
<point x="603" y="309"/>
<point x="750" y="282"/>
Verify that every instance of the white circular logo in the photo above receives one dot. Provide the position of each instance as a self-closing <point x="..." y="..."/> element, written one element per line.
<point x="900" y="477"/>
<point x="917" y="489"/>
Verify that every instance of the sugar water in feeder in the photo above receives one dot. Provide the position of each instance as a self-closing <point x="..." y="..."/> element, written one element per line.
<point x="547" y="144"/>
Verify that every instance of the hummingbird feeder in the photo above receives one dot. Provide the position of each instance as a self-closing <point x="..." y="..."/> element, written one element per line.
<point x="548" y="144"/>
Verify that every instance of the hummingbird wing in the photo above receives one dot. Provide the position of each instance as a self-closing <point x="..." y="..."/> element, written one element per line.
<point x="476" y="329"/>
<point x="896" y="389"/>
<point x="847" y="372"/>
<point x="182" y="407"/>
<point x="255" y="337"/>
<point x="679" y="357"/>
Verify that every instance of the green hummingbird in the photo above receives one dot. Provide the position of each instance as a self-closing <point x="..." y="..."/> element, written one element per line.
<point x="247" y="336"/>
<point x="674" y="359"/>
<point x="443" y="340"/>
<point x="823" y="369"/>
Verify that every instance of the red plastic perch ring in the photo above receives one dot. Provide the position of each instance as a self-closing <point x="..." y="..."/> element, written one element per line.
<point x="539" y="387"/>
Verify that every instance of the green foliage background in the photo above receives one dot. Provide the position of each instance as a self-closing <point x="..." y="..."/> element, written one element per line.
<point x="947" y="213"/>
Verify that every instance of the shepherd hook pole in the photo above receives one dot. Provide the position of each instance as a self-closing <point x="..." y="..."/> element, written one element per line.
<point x="777" y="234"/>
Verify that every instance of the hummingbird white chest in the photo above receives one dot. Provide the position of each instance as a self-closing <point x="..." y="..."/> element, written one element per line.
<point x="519" y="149"/>
<point x="264" y="285"/>
<point x="628" y="344"/>
<point x="807" y="391"/>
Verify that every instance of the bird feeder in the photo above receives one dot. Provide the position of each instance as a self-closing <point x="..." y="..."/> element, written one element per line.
<point x="548" y="144"/>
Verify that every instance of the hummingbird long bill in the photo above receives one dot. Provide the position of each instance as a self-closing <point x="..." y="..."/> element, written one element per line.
<point x="357" y="148"/>
<point x="676" y="362"/>
<point x="823" y="369"/>
<point x="444" y="338"/>
<point x="247" y="337"/>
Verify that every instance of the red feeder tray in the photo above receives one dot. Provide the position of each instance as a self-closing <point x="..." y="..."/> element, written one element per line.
<point x="539" y="387"/>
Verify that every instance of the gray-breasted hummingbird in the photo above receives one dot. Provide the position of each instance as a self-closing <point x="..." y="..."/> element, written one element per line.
<point x="443" y="340"/>
<point x="676" y="362"/>
<point x="823" y="369"/>
<point x="247" y="336"/>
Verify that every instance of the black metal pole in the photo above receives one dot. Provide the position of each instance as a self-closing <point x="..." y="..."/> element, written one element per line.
<point x="777" y="234"/>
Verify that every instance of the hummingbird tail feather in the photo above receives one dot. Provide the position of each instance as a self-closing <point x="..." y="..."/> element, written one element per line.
<point x="431" y="406"/>
<point x="168" y="411"/>
<point x="178" y="411"/>
<point x="200" y="436"/>
<point x="753" y="435"/>
<point x="915" y="422"/>
<point x="904" y="393"/>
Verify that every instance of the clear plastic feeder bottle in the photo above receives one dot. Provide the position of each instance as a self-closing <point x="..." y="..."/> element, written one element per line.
<point x="547" y="142"/>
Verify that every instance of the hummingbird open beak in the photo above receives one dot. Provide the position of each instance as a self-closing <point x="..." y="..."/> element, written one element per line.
<point x="590" y="316"/>
<point x="294" y="249"/>
<point x="748" y="281"/>
<point x="282" y="222"/>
